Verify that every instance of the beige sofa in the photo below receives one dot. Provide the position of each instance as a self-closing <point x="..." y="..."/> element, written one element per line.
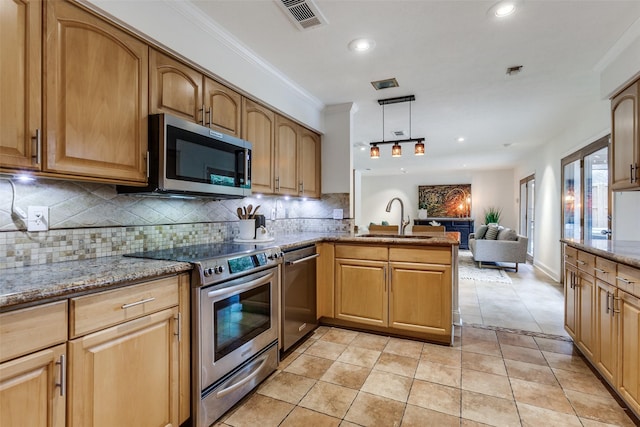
<point x="503" y="249"/>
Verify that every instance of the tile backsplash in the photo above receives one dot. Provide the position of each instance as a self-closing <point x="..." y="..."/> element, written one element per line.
<point x="88" y="220"/>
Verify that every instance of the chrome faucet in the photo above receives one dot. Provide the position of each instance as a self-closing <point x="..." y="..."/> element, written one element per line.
<point x="403" y="223"/>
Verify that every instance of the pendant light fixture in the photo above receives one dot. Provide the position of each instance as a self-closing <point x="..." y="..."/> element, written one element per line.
<point x="396" y="150"/>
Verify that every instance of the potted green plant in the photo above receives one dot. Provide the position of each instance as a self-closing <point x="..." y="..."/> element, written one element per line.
<point x="492" y="215"/>
<point x="422" y="210"/>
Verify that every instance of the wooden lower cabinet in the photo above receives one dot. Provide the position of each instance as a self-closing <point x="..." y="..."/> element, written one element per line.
<point x="126" y="375"/>
<point x="30" y="390"/>
<point x="570" y="300"/>
<point x="420" y="298"/>
<point x="629" y="349"/>
<point x="585" y="303"/>
<point x="361" y="291"/>
<point x="606" y="330"/>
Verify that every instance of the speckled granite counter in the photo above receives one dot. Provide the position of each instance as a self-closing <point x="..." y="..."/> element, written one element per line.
<point x="622" y="251"/>
<point x="47" y="282"/>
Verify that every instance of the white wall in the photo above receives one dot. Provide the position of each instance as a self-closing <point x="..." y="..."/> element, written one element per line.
<point x="589" y="124"/>
<point x="337" y="157"/>
<point x="488" y="188"/>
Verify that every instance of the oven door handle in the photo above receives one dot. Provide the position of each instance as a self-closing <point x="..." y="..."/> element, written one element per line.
<point x="248" y="378"/>
<point x="302" y="259"/>
<point x="241" y="288"/>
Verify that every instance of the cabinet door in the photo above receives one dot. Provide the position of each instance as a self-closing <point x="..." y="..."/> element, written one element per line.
<point x="175" y="88"/>
<point x="223" y="108"/>
<point x="325" y="274"/>
<point x="126" y="375"/>
<point x="20" y="82"/>
<point x="586" y="333"/>
<point x="96" y="91"/>
<point x="625" y="130"/>
<point x="286" y="156"/>
<point x="570" y="298"/>
<point x="309" y="163"/>
<point x="629" y="350"/>
<point x="361" y="291"/>
<point x="30" y="389"/>
<point x="258" y="127"/>
<point x="420" y="298"/>
<point x="606" y="331"/>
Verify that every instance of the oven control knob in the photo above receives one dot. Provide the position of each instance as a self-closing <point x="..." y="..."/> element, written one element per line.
<point x="208" y="272"/>
<point x="273" y="256"/>
<point x="219" y="269"/>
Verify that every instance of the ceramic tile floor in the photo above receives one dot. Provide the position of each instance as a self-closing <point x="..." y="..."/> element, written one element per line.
<point x="339" y="377"/>
<point x="533" y="302"/>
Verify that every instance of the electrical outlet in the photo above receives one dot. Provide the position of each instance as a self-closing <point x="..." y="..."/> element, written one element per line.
<point x="38" y="218"/>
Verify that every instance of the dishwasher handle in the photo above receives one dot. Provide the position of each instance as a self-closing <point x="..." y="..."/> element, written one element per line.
<point x="302" y="259"/>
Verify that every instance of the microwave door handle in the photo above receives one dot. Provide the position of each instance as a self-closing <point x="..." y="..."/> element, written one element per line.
<point x="246" y="166"/>
<point x="241" y="288"/>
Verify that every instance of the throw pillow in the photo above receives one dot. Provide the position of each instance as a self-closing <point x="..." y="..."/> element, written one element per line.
<point x="492" y="232"/>
<point x="507" y="234"/>
<point x="482" y="231"/>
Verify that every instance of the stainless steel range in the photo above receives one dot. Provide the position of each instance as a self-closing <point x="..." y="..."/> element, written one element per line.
<point x="234" y="304"/>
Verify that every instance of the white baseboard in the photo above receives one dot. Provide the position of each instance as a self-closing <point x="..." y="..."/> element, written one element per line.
<point x="546" y="270"/>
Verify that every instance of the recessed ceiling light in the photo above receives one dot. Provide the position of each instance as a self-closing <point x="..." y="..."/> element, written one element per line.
<point x="461" y="139"/>
<point x="361" y="45"/>
<point x="503" y="8"/>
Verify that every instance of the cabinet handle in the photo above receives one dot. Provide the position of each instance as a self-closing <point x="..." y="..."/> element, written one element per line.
<point x="179" y="325"/>
<point x="613" y="300"/>
<point x="203" y="112"/>
<point x="622" y="279"/>
<point x="148" y="164"/>
<point x="386" y="278"/>
<point x="210" y="117"/>
<point x="38" y="140"/>
<point x="581" y="262"/>
<point x="301" y="187"/>
<point x="608" y="293"/>
<point x="599" y="270"/>
<point x="614" y="309"/>
<point x="631" y="173"/>
<point x="635" y="176"/>
<point x="63" y="375"/>
<point x="133" y="304"/>
<point x="277" y="183"/>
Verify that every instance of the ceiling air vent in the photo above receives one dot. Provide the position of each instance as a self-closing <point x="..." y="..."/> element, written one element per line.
<point x="304" y="14"/>
<point x="398" y="133"/>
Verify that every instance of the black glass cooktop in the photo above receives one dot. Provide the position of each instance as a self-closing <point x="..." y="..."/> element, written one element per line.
<point x="202" y="252"/>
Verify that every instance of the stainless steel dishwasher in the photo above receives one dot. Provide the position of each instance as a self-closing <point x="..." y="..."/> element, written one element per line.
<point x="298" y="294"/>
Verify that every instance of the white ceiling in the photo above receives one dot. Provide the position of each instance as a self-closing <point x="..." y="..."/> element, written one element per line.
<point x="452" y="55"/>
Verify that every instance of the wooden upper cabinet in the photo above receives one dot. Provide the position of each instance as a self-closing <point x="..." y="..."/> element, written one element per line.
<point x="287" y="141"/>
<point x="309" y="173"/>
<point x="175" y="88"/>
<point x="223" y="108"/>
<point x="258" y="127"/>
<point x="625" y="137"/>
<point x="20" y="82"/>
<point x="96" y="91"/>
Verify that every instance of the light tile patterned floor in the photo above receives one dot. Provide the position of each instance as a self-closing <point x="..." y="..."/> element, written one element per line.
<point x="344" y="378"/>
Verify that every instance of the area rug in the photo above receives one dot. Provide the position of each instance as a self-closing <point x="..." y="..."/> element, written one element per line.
<point x="467" y="269"/>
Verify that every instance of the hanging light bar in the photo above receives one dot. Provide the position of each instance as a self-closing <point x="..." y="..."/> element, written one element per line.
<point x="396" y="150"/>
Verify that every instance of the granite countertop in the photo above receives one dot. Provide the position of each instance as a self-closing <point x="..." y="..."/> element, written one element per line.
<point x="48" y="282"/>
<point x="622" y="251"/>
<point x="23" y="286"/>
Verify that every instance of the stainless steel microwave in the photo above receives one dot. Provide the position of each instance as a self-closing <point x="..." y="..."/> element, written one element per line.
<point x="191" y="160"/>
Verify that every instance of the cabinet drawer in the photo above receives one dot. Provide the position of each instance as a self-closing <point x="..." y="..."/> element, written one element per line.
<point x="586" y="262"/>
<point x="606" y="270"/>
<point x="628" y="279"/>
<point x="97" y="311"/>
<point x="374" y="253"/>
<point x="30" y="329"/>
<point x="421" y="255"/>
<point x="570" y="255"/>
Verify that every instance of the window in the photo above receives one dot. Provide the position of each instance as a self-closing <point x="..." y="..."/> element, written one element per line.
<point x="527" y="211"/>
<point x="586" y="198"/>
